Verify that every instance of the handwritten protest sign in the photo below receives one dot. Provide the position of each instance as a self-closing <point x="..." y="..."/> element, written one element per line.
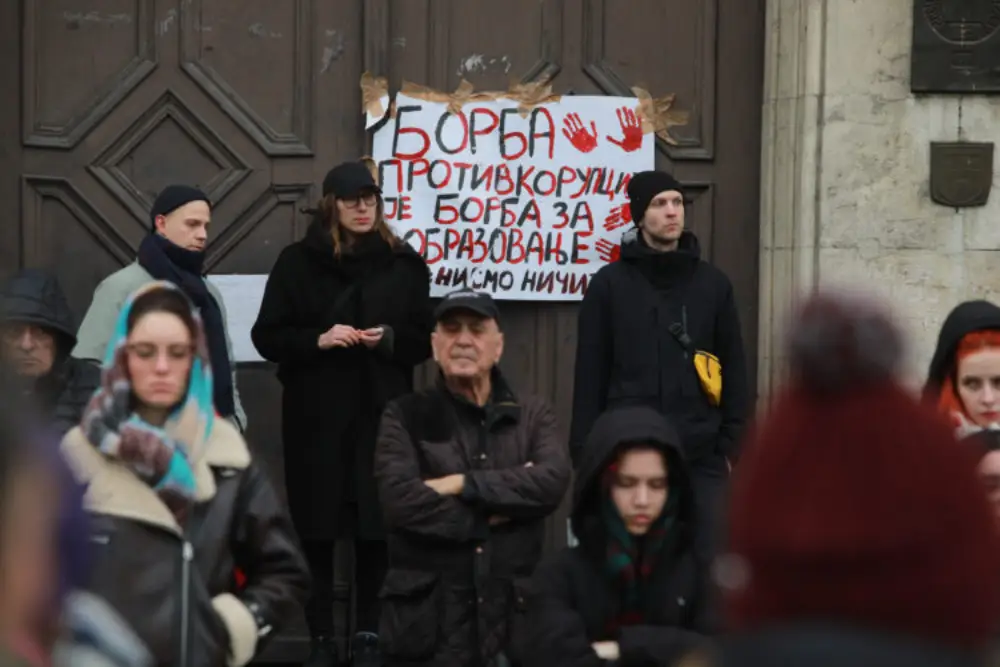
<point x="525" y="204"/>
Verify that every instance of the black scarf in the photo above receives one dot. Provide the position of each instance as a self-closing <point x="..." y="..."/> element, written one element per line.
<point x="665" y="270"/>
<point x="166" y="261"/>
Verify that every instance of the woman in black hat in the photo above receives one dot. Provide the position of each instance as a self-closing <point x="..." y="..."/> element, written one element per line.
<point x="346" y="315"/>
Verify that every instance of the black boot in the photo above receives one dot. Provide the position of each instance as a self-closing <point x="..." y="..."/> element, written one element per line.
<point x="365" y="651"/>
<point x="323" y="653"/>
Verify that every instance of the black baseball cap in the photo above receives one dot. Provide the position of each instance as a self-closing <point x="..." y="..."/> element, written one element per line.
<point x="349" y="180"/>
<point x="468" y="300"/>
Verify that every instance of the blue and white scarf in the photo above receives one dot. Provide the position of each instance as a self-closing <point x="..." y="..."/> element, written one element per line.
<point x="162" y="457"/>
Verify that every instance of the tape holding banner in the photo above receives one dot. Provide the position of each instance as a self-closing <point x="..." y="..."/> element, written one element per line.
<point x="658" y="115"/>
<point x="464" y="94"/>
<point x="374" y="98"/>
<point x="530" y="95"/>
<point x="527" y="95"/>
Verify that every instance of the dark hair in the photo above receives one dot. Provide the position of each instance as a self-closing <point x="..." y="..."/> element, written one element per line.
<point x="671" y="459"/>
<point x="982" y="443"/>
<point x="163" y="300"/>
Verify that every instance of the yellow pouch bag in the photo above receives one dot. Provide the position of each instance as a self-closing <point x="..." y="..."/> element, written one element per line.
<point x="709" y="370"/>
<point x="706" y="364"/>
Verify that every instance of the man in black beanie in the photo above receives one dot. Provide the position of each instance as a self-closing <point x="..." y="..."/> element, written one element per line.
<point x="174" y="250"/>
<point x="654" y="329"/>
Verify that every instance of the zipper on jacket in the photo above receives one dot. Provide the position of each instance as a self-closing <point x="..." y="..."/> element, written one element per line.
<point x="187" y="558"/>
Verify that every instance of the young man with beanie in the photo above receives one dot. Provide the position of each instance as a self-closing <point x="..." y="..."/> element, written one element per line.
<point x="174" y="250"/>
<point x="859" y="534"/>
<point x="654" y="329"/>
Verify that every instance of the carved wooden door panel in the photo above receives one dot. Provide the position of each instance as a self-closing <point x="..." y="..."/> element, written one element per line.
<point x="252" y="100"/>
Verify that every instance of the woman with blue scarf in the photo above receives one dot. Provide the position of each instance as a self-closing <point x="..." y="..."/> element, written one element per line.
<point x="176" y="501"/>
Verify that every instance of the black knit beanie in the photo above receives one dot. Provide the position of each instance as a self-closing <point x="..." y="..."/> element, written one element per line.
<point x="644" y="186"/>
<point x="172" y="198"/>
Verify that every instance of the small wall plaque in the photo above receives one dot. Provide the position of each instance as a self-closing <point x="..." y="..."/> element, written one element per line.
<point x="961" y="173"/>
<point x="956" y="46"/>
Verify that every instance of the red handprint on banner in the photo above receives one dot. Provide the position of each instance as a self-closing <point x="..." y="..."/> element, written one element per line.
<point x="576" y="132"/>
<point x="618" y="217"/>
<point x="608" y="251"/>
<point x="631" y="131"/>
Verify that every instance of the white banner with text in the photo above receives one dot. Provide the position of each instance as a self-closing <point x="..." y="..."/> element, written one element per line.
<point x="525" y="204"/>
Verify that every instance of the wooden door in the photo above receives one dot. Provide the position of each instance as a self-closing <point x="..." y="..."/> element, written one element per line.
<point x="709" y="52"/>
<point x="254" y="100"/>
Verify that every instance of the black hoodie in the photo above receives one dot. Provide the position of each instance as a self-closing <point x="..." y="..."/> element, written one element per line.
<point x="964" y="319"/>
<point x="626" y="354"/>
<point x="573" y="597"/>
<point x="35" y="297"/>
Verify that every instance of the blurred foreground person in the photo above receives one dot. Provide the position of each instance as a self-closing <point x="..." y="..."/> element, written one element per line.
<point x="176" y="499"/>
<point x="43" y="619"/>
<point x="859" y="533"/>
<point x="37" y="334"/>
<point x="632" y="590"/>
<point x="964" y="376"/>
<point x="467" y="472"/>
<point x="29" y="502"/>
<point x="985" y="446"/>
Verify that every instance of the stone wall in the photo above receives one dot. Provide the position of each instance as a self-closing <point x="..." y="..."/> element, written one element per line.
<point x="846" y="157"/>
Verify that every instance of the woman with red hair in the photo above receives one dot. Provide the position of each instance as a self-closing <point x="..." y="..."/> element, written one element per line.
<point x="964" y="376"/>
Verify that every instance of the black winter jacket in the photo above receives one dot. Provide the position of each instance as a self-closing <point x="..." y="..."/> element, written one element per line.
<point x="176" y="585"/>
<point x="626" y="354"/>
<point x="573" y="599"/>
<point x="35" y="297"/>
<point x="455" y="592"/>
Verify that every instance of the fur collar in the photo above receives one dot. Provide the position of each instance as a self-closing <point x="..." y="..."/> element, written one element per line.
<point x="112" y="489"/>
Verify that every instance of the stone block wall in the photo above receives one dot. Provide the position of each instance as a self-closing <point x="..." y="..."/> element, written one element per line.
<point x="846" y="163"/>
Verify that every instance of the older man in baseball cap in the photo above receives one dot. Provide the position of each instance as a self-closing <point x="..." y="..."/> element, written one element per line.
<point x="467" y="471"/>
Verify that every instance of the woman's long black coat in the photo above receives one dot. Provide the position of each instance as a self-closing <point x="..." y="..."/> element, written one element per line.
<point x="333" y="398"/>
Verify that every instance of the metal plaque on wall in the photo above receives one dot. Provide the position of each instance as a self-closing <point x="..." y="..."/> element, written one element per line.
<point x="956" y="46"/>
<point x="961" y="173"/>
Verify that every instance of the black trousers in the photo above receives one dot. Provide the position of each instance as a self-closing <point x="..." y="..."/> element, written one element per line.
<point x="711" y="489"/>
<point x="370" y="564"/>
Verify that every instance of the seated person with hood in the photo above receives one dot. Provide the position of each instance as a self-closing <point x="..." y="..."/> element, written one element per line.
<point x="37" y="333"/>
<point x="632" y="590"/>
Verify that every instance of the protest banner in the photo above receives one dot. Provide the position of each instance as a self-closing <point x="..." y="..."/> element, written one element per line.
<point x="523" y="203"/>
